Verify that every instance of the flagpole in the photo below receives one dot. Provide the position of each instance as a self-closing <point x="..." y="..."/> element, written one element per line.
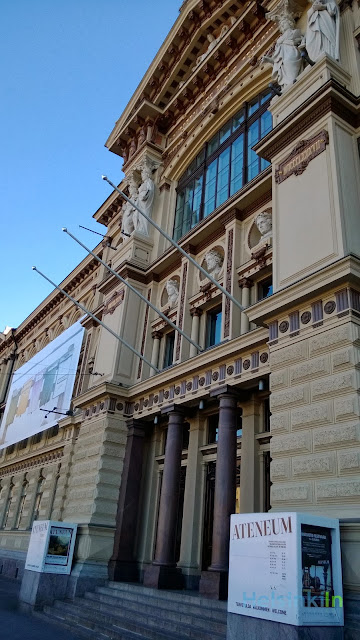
<point x="125" y="282"/>
<point x="97" y="320"/>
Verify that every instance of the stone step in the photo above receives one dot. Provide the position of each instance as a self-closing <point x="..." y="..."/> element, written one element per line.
<point x="192" y="597"/>
<point x="84" y="631"/>
<point x="104" y="627"/>
<point x="190" y="616"/>
<point x="193" y="607"/>
<point x="151" y="626"/>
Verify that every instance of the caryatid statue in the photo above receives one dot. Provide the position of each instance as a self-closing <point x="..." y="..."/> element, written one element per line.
<point x="145" y="199"/>
<point x="323" y="29"/>
<point x="286" y="59"/>
<point x="263" y="222"/>
<point x="128" y="210"/>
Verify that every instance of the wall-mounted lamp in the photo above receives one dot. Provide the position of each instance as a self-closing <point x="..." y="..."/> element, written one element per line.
<point x="201" y="405"/>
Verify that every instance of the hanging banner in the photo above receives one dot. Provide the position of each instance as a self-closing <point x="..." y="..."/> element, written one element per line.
<point x="45" y="383"/>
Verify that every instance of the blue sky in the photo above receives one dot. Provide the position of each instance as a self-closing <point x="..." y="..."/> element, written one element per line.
<point x="68" y="69"/>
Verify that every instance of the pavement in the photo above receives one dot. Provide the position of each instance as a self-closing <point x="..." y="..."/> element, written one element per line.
<point x="18" y="626"/>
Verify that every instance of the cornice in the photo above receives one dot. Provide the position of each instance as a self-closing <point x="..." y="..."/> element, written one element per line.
<point x="332" y="276"/>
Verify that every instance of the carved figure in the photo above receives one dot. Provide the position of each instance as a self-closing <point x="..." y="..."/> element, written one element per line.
<point x="323" y="29"/>
<point x="214" y="262"/>
<point x="145" y="200"/>
<point x="286" y="60"/>
<point x="128" y="210"/>
<point x="172" y="289"/>
<point x="264" y="223"/>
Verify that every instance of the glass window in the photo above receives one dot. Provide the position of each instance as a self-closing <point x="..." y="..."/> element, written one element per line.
<point x="169" y="349"/>
<point x="265" y="288"/>
<point x="213" y="327"/>
<point x="223" y="166"/>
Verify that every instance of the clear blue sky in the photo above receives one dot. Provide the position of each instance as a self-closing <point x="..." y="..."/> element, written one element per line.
<point x="68" y="69"/>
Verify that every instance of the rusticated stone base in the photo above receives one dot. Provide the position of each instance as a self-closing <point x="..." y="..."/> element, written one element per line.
<point x="123" y="571"/>
<point x="162" y="577"/>
<point x="214" y="584"/>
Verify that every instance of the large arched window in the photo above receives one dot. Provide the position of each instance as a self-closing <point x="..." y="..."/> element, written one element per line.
<point x="224" y="165"/>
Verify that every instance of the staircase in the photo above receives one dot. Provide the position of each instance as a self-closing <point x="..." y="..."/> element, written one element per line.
<point x="122" y="611"/>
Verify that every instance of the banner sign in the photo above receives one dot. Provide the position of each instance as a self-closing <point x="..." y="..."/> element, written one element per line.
<point x="45" y="382"/>
<point x="286" y="567"/>
<point x="51" y="547"/>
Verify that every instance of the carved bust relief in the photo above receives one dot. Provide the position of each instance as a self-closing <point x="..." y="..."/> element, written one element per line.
<point x="170" y="294"/>
<point x="213" y="262"/>
<point x="261" y="230"/>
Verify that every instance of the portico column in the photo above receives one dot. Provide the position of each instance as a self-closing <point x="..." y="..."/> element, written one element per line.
<point x="213" y="582"/>
<point x="163" y="573"/>
<point x="196" y="315"/>
<point x="122" y="565"/>
<point x="156" y="336"/>
<point x="245" y="285"/>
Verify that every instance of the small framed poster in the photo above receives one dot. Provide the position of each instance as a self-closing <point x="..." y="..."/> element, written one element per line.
<point x="51" y="547"/>
<point x="286" y="567"/>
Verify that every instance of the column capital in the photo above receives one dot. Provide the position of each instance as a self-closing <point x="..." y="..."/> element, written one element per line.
<point x="136" y="427"/>
<point x="246" y="283"/>
<point x="157" y="335"/>
<point x="195" y="311"/>
<point x="225" y="390"/>
<point x="173" y="408"/>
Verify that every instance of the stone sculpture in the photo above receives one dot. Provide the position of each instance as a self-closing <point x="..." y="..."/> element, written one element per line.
<point x="172" y="289"/>
<point x="145" y="199"/>
<point x="128" y="210"/>
<point x="213" y="41"/>
<point x="323" y="29"/>
<point x="286" y="59"/>
<point x="264" y="223"/>
<point x="214" y="262"/>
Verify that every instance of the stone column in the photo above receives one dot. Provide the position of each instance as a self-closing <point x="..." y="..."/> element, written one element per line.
<point x="213" y="582"/>
<point x="245" y="285"/>
<point x="122" y="565"/>
<point x="156" y="336"/>
<point x="195" y="314"/>
<point x="163" y="574"/>
<point x="249" y="472"/>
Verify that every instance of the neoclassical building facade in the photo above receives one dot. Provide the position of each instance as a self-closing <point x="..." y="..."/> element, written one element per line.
<point x="241" y="142"/>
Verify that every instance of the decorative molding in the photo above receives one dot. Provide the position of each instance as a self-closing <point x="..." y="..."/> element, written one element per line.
<point x="181" y="310"/>
<point x="230" y="249"/>
<point x="301" y="156"/>
<point x="116" y="299"/>
<point x="144" y="334"/>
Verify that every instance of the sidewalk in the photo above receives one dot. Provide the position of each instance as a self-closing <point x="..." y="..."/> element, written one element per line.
<point x="17" y="626"/>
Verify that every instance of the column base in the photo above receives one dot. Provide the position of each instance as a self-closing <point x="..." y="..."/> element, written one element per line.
<point x="214" y="584"/>
<point x="121" y="571"/>
<point x="163" y="577"/>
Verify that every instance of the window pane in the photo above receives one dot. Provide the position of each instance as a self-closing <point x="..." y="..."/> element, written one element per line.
<point x="213" y="328"/>
<point x="197" y="201"/>
<point x="169" y="349"/>
<point x="237" y="164"/>
<point x="213" y="144"/>
<point x="223" y="177"/>
<point x="210" y="185"/>
<point x="238" y="120"/>
<point x="179" y="215"/>
<point x="265" y="123"/>
<point x="225" y="132"/>
<point x="253" y="106"/>
<point x="265" y="97"/>
<point x="200" y="158"/>
<point x="253" y="158"/>
<point x="188" y="205"/>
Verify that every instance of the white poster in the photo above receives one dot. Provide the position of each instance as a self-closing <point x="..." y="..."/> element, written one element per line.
<point x="286" y="567"/>
<point x="51" y="547"/>
<point x="45" y="383"/>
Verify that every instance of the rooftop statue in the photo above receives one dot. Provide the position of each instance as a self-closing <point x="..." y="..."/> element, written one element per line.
<point x="145" y="201"/>
<point x="128" y="210"/>
<point x="286" y="60"/>
<point x="323" y="29"/>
